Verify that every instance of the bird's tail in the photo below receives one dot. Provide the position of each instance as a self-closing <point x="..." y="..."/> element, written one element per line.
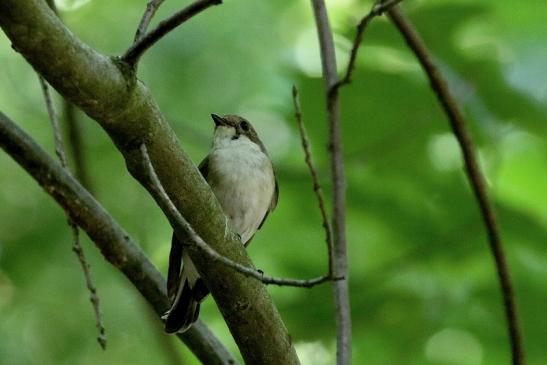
<point x="185" y="309"/>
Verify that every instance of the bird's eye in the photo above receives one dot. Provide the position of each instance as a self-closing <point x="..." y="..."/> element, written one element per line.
<point x="244" y="126"/>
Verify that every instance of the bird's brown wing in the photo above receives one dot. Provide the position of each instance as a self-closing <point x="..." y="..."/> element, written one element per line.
<point x="275" y="196"/>
<point x="204" y="167"/>
<point x="273" y="203"/>
<point x="173" y="272"/>
<point x="175" y="255"/>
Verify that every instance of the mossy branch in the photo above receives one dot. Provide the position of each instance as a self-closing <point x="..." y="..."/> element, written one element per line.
<point x="107" y="90"/>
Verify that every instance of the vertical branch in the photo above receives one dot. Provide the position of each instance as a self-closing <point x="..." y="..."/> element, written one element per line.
<point x="77" y="248"/>
<point x="315" y="179"/>
<point x="341" y="289"/>
<point x="474" y="174"/>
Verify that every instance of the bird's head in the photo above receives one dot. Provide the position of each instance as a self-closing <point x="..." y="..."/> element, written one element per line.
<point x="233" y="129"/>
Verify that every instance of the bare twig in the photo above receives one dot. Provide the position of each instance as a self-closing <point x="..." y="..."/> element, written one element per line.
<point x="76" y="143"/>
<point x="379" y="8"/>
<point x="315" y="178"/>
<point x="182" y="224"/>
<point x="341" y="289"/>
<point x="114" y="243"/>
<point x="77" y="248"/>
<point x="133" y="54"/>
<point x="54" y="120"/>
<point x="476" y="179"/>
<point x="151" y="8"/>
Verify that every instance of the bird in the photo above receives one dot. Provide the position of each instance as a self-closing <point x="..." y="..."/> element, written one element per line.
<point x="241" y="175"/>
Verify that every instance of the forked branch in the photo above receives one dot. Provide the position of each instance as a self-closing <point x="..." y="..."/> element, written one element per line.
<point x="379" y="8"/>
<point x="133" y="54"/>
<point x="151" y="7"/>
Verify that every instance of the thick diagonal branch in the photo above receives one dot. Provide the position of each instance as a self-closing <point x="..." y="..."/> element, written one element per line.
<point x="115" y="244"/>
<point x="107" y="90"/>
<point x="476" y="179"/>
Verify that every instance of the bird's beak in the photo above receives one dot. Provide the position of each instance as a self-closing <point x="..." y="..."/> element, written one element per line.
<point x="218" y="120"/>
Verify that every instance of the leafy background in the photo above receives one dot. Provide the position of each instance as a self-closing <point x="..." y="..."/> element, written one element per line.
<point x="423" y="285"/>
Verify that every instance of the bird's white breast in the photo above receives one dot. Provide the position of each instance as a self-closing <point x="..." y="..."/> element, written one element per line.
<point x="242" y="178"/>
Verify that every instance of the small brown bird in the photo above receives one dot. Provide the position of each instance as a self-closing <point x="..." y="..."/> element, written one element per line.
<point x="242" y="177"/>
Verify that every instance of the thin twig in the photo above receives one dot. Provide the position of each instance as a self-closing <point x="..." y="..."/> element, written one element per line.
<point x="198" y="242"/>
<point x="341" y="288"/>
<point x="76" y="143"/>
<point x="133" y="54"/>
<point x="76" y="247"/>
<point x="315" y="178"/>
<point x="151" y="8"/>
<point x="379" y="8"/>
<point x="58" y="139"/>
<point x="476" y="179"/>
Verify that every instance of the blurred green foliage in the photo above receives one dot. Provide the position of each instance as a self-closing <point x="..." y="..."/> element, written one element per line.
<point x="423" y="285"/>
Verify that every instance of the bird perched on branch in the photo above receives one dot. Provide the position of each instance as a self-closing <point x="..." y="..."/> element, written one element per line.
<point x="241" y="175"/>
